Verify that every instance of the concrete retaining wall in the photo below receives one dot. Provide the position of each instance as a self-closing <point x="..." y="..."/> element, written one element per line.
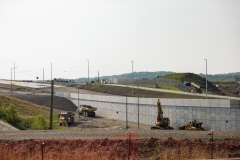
<point x="215" y="114"/>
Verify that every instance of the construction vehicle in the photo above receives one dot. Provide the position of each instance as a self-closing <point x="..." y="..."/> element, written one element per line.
<point x="86" y="111"/>
<point x="66" y="118"/>
<point x="192" y="87"/>
<point x="192" y="126"/>
<point x="161" y="123"/>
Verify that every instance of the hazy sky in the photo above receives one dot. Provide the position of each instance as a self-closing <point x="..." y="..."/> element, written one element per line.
<point x="157" y="35"/>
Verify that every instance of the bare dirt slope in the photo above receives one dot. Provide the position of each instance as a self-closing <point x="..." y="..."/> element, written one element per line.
<point x="45" y="100"/>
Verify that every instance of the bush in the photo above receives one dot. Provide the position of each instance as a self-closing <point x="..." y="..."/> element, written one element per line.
<point x="10" y="115"/>
<point x="39" y="123"/>
<point x="25" y="123"/>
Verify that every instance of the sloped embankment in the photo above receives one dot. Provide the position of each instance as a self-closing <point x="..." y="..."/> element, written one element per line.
<point x="45" y="100"/>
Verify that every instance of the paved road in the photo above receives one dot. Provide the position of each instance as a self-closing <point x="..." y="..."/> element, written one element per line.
<point x="28" y="84"/>
<point x="177" y="92"/>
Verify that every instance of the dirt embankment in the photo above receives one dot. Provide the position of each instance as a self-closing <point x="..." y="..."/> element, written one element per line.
<point x="45" y="100"/>
<point x="230" y="89"/>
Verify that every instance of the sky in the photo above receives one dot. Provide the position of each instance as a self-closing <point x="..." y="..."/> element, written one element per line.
<point x="74" y="38"/>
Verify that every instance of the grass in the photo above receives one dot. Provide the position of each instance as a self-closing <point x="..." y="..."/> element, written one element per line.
<point x="161" y="87"/>
<point x="29" y="110"/>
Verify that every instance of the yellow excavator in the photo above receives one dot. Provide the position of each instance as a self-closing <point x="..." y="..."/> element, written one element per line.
<point x="192" y="126"/>
<point x="161" y="123"/>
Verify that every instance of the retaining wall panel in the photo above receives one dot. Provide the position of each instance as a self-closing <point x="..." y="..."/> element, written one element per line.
<point x="180" y="113"/>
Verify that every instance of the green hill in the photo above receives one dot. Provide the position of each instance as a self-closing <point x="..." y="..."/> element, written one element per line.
<point x="191" y="77"/>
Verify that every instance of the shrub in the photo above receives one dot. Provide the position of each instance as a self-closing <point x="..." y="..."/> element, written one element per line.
<point x="39" y="123"/>
<point x="10" y="115"/>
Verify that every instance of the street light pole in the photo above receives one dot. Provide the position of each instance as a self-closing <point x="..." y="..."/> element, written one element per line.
<point x="132" y="77"/>
<point x="51" y="71"/>
<point x="11" y="79"/>
<point x="206" y="78"/>
<point x="88" y="71"/>
<point x="14" y="72"/>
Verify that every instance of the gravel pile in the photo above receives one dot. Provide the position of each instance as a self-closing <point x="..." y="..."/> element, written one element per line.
<point x="6" y="127"/>
<point x="119" y="134"/>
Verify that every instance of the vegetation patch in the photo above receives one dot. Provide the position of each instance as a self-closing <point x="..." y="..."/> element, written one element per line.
<point x="25" y="115"/>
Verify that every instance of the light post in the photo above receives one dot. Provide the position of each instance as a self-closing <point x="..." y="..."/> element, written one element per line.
<point x="132" y="77"/>
<point x="14" y="71"/>
<point x="88" y="72"/>
<point x="11" y="79"/>
<point x="206" y="78"/>
<point x="51" y="71"/>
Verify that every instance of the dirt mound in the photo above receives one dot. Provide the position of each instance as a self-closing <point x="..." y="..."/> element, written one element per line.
<point x="45" y="100"/>
<point x="119" y="149"/>
<point x="230" y="89"/>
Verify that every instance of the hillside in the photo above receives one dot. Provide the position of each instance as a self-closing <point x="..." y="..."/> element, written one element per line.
<point x="24" y="108"/>
<point x="32" y="105"/>
<point x="191" y="77"/>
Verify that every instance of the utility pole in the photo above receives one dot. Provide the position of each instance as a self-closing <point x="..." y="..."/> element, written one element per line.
<point x="43" y="75"/>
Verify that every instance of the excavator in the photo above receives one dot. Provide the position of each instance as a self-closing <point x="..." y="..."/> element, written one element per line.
<point x="161" y="123"/>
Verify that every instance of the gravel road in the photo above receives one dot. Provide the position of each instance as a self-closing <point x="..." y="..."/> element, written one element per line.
<point x="120" y="134"/>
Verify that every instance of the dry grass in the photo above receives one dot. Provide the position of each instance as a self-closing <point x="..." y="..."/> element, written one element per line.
<point x="105" y="149"/>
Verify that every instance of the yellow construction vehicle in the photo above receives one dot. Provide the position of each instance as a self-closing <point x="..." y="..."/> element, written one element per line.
<point x="66" y="118"/>
<point x="161" y="123"/>
<point x="192" y="126"/>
